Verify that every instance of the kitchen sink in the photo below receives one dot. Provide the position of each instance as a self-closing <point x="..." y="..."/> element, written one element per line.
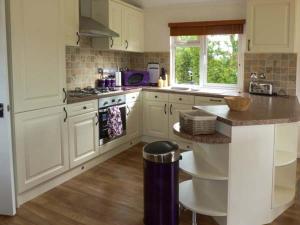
<point x="180" y="88"/>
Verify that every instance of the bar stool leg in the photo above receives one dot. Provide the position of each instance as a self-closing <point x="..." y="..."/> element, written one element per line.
<point x="194" y="218"/>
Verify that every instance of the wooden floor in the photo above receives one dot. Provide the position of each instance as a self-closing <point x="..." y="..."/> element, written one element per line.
<point x="109" y="194"/>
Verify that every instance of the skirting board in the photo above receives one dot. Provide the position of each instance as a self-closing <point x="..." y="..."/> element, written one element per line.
<point x="42" y="188"/>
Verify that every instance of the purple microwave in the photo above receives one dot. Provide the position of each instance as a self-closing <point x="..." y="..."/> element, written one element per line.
<point x="135" y="78"/>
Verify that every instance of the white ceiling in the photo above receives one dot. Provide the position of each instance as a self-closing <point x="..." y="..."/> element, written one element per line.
<point x="157" y="3"/>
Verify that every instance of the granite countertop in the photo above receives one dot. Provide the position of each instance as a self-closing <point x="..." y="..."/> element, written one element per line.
<point x="125" y="90"/>
<point x="263" y="110"/>
<point x="216" y="138"/>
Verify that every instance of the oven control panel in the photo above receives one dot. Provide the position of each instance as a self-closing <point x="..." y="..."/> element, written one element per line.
<point x="111" y="101"/>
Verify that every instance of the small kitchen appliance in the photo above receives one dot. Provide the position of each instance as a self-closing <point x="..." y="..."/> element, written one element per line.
<point x="118" y="77"/>
<point x="135" y="78"/>
<point x="104" y="105"/>
<point x="262" y="88"/>
<point x="154" y="72"/>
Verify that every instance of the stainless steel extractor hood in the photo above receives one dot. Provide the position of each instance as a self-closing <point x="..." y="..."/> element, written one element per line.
<point x="89" y="27"/>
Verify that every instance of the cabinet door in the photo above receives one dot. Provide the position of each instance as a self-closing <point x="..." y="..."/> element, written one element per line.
<point x="271" y="25"/>
<point x="83" y="138"/>
<point x="134" y="119"/>
<point x="38" y="53"/>
<point x="71" y="9"/>
<point x="133" y="30"/>
<point x="174" y="117"/>
<point x="115" y="23"/>
<point x="41" y="146"/>
<point x="156" y="119"/>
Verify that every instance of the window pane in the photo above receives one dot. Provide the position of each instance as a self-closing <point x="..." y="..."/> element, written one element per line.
<point x="187" y="38"/>
<point x="187" y="65"/>
<point x="222" y="59"/>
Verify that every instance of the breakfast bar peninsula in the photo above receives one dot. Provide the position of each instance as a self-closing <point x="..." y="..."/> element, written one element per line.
<point x="245" y="174"/>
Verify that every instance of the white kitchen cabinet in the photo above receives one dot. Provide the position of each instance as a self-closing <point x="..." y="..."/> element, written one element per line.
<point x="83" y="138"/>
<point x="156" y="119"/>
<point x="270" y="25"/>
<point x="134" y="119"/>
<point x="37" y="45"/>
<point x="116" y="24"/>
<point x="71" y="9"/>
<point x="124" y="19"/>
<point x="41" y="142"/>
<point x="201" y="100"/>
<point x="133" y="30"/>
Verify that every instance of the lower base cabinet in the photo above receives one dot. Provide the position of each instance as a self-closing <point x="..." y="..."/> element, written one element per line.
<point x="155" y="119"/>
<point x="83" y="138"/>
<point x="41" y="146"/>
<point x="134" y="119"/>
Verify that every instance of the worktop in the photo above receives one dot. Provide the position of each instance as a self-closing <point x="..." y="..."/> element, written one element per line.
<point x="217" y="93"/>
<point x="263" y="110"/>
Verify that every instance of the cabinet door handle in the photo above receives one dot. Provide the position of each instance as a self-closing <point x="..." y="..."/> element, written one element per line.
<point x="171" y="109"/>
<point x="128" y="110"/>
<point x="165" y="109"/>
<point x="84" y="108"/>
<point x="66" y="117"/>
<point x="97" y="117"/>
<point x="112" y="42"/>
<point x="215" y="100"/>
<point x="249" y="42"/>
<point x="65" y="98"/>
<point x="1" y="110"/>
<point x="127" y="44"/>
<point x="180" y="99"/>
<point x="78" y="38"/>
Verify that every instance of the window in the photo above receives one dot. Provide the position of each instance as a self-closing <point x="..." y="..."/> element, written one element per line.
<point x="205" y="61"/>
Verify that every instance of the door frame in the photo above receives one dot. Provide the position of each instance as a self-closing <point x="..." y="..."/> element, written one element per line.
<point x="7" y="185"/>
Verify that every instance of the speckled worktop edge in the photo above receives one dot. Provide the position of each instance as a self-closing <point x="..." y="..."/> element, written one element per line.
<point x="125" y="90"/>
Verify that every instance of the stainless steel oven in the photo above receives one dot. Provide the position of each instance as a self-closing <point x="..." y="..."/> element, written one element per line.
<point x="104" y="105"/>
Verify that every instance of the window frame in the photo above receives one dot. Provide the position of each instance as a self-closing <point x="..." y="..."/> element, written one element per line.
<point x="202" y="44"/>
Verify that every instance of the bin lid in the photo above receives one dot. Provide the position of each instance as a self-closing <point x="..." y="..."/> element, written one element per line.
<point x="161" y="152"/>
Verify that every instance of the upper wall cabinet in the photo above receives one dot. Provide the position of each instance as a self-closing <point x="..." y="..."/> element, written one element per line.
<point x="37" y="53"/>
<point x="124" y="19"/>
<point x="271" y="25"/>
<point x="133" y="32"/>
<point x="71" y="22"/>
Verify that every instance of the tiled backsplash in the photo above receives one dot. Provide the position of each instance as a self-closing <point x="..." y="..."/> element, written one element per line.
<point x="140" y="60"/>
<point x="280" y="69"/>
<point x="82" y="63"/>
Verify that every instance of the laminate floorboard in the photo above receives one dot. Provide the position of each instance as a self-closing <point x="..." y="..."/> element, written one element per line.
<point x="109" y="194"/>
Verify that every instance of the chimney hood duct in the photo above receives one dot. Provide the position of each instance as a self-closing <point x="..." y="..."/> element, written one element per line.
<point x="89" y="27"/>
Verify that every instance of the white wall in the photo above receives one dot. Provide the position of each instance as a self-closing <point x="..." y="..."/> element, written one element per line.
<point x="157" y="19"/>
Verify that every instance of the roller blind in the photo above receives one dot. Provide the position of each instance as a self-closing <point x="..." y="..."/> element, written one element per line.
<point x="207" y="27"/>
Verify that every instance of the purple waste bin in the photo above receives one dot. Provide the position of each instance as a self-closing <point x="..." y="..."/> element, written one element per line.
<point x="161" y="196"/>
